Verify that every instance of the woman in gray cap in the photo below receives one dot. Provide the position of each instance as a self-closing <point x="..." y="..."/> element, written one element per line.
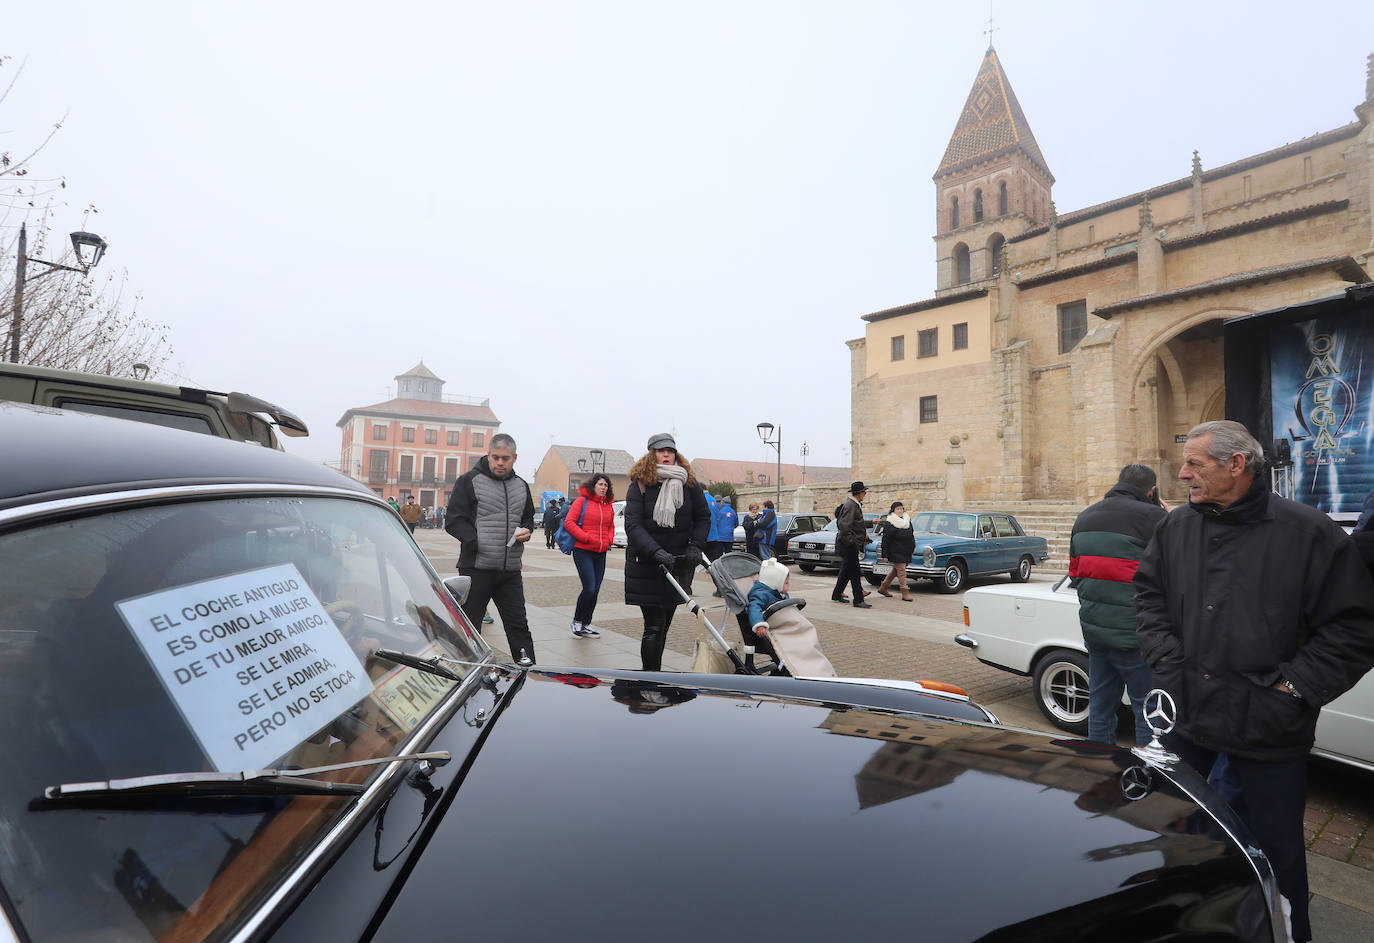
<point x="667" y="522"/>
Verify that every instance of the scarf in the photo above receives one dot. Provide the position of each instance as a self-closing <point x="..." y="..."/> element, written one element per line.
<point x="669" y="500"/>
<point x="898" y="522"/>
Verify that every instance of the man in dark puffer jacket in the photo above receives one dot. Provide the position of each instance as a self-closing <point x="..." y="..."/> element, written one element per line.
<point x="1105" y="548"/>
<point x="491" y="512"/>
<point x="1254" y="612"/>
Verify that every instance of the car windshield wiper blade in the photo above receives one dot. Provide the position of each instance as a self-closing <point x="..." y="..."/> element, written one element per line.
<point x="242" y="782"/>
<point x="432" y="665"/>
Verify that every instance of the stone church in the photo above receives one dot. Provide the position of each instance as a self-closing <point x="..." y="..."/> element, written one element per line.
<point x="1058" y="348"/>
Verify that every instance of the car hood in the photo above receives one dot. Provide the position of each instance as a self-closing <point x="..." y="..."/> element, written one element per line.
<point x="601" y="802"/>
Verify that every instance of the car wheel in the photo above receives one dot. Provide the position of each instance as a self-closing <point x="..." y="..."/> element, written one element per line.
<point x="806" y="567"/>
<point x="1061" y="689"/>
<point x="1022" y="571"/>
<point x="953" y="578"/>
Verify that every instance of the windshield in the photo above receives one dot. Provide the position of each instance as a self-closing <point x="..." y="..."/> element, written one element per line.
<point x="207" y="635"/>
<point x="935" y="522"/>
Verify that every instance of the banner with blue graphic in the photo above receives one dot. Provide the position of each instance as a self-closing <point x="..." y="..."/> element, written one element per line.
<point x="1322" y="401"/>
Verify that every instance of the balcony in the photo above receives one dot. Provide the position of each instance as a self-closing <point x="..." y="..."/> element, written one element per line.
<point x="376" y="477"/>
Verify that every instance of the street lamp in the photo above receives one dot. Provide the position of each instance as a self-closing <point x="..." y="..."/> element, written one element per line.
<point x="89" y="249"/>
<point x="805" y="451"/>
<point x="766" y="430"/>
<point x="598" y="460"/>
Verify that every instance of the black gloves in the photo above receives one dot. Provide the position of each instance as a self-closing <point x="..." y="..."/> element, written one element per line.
<point x="664" y="558"/>
<point x="693" y="556"/>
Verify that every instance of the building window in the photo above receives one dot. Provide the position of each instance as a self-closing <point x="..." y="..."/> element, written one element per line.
<point x="928" y="342"/>
<point x="978" y="206"/>
<point x="1002" y="198"/>
<point x="899" y="348"/>
<point x="995" y="245"/>
<point x="405" y="386"/>
<point x="378" y="432"/>
<point x="427" y="469"/>
<point x="407" y="470"/>
<point x="450" y="470"/>
<point x="420" y="385"/>
<point x="478" y="440"/>
<point x="431" y="437"/>
<point x="954" y="213"/>
<point x="961" y="336"/>
<point x="377" y="465"/>
<point x="930" y="410"/>
<point x="454" y="437"/>
<point x="961" y="270"/>
<point x="1073" y="325"/>
<point x="408" y="434"/>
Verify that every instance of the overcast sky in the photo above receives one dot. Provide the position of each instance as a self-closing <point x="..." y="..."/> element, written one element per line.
<point x="612" y="218"/>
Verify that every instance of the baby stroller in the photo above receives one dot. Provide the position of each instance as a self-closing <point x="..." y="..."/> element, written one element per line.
<point x="791" y="636"/>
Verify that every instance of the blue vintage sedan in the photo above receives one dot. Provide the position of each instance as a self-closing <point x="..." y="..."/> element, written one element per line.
<point x="951" y="546"/>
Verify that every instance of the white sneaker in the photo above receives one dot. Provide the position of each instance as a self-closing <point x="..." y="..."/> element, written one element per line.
<point x="524" y="661"/>
<point x="589" y="632"/>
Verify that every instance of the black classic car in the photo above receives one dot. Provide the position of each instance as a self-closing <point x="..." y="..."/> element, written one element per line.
<point x="789" y="526"/>
<point x="241" y="705"/>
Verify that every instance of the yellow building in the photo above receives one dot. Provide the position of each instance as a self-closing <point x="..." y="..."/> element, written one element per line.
<point x="1058" y="348"/>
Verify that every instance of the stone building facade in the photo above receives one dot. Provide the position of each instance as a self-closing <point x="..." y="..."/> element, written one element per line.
<point x="1058" y="348"/>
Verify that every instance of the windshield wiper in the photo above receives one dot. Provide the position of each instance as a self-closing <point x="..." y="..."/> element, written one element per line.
<point x="431" y="665"/>
<point x="244" y="782"/>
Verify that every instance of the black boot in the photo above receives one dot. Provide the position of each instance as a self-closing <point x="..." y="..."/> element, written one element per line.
<point x="655" y="637"/>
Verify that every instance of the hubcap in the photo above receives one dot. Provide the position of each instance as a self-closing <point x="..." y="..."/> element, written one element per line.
<point x="1064" y="690"/>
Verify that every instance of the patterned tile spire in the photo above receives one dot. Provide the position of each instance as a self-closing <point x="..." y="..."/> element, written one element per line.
<point x="992" y="123"/>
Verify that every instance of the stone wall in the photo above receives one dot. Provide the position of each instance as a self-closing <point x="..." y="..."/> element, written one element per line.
<point x="917" y="493"/>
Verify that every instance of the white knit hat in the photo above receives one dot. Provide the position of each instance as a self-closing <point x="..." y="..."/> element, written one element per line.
<point x="773" y="574"/>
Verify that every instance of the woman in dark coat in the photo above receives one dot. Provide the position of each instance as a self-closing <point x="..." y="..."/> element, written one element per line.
<point x="898" y="544"/>
<point x="667" y="522"/>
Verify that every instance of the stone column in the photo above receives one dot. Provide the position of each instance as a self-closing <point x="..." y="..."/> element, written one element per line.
<point x="803" y="500"/>
<point x="954" y="475"/>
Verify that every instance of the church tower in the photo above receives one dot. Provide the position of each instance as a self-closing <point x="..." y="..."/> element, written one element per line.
<point x="992" y="184"/>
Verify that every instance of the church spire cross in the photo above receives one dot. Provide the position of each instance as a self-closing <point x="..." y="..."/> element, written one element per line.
<point x="991" y="29"/>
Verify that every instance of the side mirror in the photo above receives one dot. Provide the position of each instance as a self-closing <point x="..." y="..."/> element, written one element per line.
<point x="459" y="587"/>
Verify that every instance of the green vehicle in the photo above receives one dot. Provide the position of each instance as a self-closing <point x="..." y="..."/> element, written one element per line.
<point x="226" y="415"/>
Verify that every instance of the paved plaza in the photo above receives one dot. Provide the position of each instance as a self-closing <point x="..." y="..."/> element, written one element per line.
<point x="915" y="640"/>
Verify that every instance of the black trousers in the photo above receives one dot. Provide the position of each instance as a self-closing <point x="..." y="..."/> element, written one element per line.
<point x="657" y="619"/>
<point x="1273" y="797"/>
<point x="850" y="573"/>
<point x="505" y="588"/>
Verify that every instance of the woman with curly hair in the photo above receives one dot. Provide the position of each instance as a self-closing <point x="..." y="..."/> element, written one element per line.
<point x="667" y="522"/>
<point x="591" y="521"/>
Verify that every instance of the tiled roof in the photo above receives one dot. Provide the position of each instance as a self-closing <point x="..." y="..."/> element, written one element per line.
<point x="1055" y="274"/>
<point x="991" y="123"/>
<point x="421" y="371"/>
<point x="915" y="306"/>
<point x="618" y="461"/>
<point x="1342" y="265"/>
<point x="424" y="409"/>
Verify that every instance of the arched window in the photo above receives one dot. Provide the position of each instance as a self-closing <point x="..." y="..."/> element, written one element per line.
<point x="954" y="213"/>
<point x="961" y="271"/>
<point x="995" y="245"/>
<point x="1002" y="198"/>
<point x="977" y="206"/>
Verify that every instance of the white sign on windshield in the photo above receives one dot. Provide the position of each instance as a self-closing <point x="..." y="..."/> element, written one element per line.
<point x="253" y="661"/>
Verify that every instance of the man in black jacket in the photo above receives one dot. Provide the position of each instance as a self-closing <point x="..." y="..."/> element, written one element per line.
<point x="1254" y="611"/>
<point x="850" y="538"/>
<point x="1105" y="547"/>
<point x="491" y="512"/>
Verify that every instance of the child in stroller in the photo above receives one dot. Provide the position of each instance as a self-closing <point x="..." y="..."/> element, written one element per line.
<point x="774" y="614"/>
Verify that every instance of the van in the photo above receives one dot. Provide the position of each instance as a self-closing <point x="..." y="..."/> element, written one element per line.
<point x="225" y="415"/>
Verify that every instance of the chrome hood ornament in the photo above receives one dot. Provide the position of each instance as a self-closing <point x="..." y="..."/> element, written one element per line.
<point x="1161" y="714"/>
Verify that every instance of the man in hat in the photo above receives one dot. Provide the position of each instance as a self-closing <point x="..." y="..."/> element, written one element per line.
<point x="850" y="538"/>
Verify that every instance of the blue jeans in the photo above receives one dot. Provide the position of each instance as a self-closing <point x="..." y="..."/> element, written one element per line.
<point x="591" y="569"/>
<point x="1109" y="672"/>
<point x="765" y="549"/>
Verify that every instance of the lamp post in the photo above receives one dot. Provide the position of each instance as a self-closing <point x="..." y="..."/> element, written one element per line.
<point x="766" y="430"/>
<point x="805" y="451"/>
<point x="598" y="460"/>
<point x="89" y="249"/>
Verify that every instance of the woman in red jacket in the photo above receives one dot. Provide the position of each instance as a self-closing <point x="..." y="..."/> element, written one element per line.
<point x="593" y="509"/>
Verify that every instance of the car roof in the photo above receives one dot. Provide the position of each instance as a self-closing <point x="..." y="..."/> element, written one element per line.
<point x="56" y="453"/>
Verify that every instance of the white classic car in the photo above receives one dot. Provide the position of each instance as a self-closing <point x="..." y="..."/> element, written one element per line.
<point x="1032" y="629"/>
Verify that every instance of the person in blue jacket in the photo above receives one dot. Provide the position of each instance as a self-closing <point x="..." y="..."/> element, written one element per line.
<point x="767" y="530"/>
<point x="723" y="523"/>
